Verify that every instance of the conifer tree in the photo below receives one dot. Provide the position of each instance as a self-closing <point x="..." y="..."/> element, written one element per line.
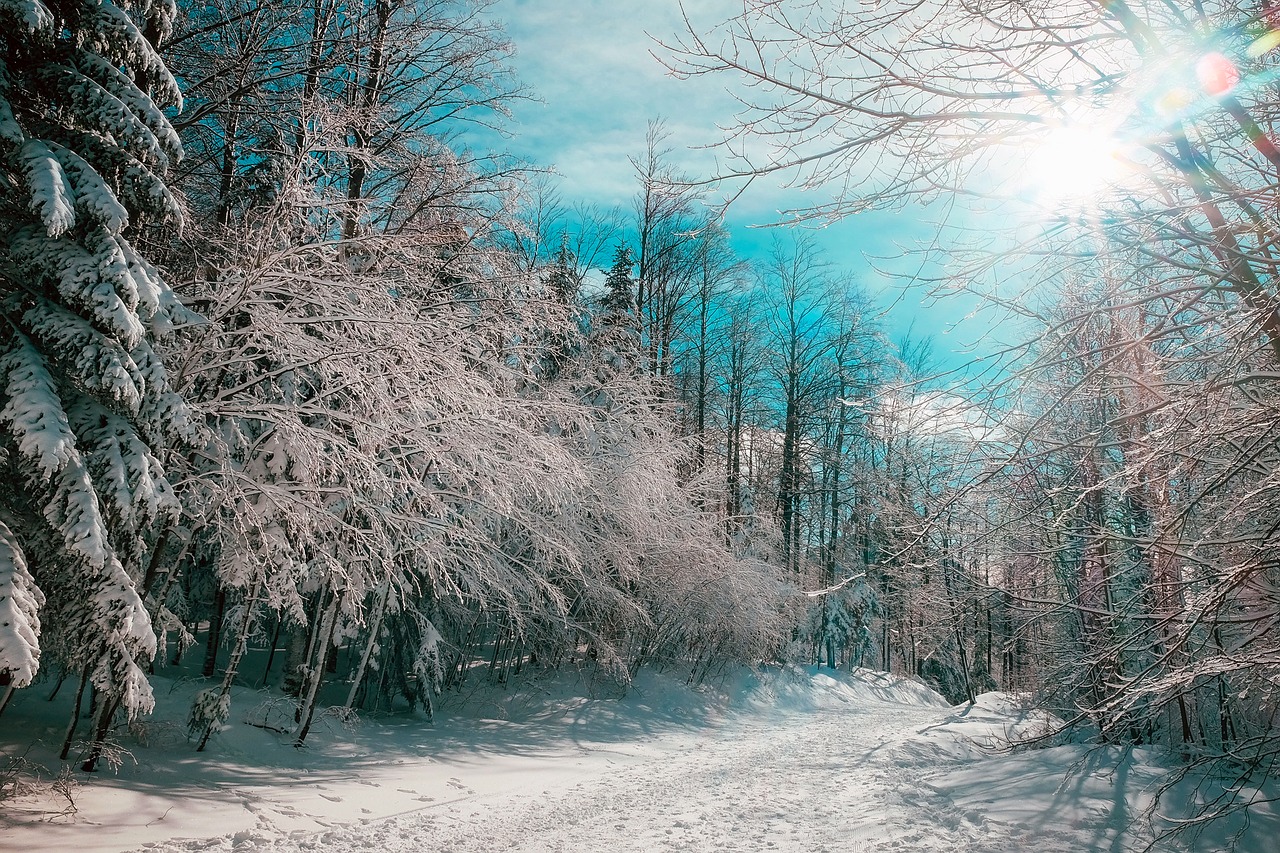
<point x="615" y="336"/>
<point x="619" y="288"/>
<point x="563" y="280"/>
<point x="85" y="406"/>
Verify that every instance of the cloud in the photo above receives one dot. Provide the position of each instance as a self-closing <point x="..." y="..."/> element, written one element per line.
<point x="905" y="411"/>
<point x="591" y="63"/>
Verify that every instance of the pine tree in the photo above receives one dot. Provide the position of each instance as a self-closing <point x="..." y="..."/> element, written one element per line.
<point x="564" y="283"/>
<point x="615" y="336"/>
<point x="619" y="290"/>
<point x="85" y="406"/>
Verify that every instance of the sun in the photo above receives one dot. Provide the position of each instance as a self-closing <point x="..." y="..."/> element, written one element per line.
<point x="1073" y="165"/>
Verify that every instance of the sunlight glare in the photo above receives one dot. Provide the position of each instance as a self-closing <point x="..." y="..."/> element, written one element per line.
<point x="1073" y="164"/>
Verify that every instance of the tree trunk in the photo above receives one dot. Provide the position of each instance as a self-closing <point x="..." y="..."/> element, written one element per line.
<point x="370" y="95"/>
<point x="215" y="633"/>
<point x="375" y="628"/>
<point x="237" y="653"/>
<point x="106" y="712"/>
<point x="75" y="715"/>
<point x="315" y="667"/>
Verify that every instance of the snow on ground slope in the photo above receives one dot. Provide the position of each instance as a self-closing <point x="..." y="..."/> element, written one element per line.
<point x="807" y="762"/>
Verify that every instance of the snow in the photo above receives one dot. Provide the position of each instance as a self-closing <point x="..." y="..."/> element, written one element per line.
<point x="51" y="195"/>
<point x="32" y="13"/>
<point x="20" y="603"/>
<point x="33" y="411"/>
<point x="799" y="761"/>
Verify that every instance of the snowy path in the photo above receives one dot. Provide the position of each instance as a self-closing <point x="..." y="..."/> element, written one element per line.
<point x="809" y="762"/>
<point x="847" y="775"/>
<point x="821" y="781"/>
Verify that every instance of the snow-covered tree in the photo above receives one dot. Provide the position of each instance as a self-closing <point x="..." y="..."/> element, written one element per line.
<point x="85" y="407"/>
<point x="615" y="329"/>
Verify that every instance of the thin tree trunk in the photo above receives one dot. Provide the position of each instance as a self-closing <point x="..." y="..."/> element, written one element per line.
<point x="237" y="653"/>
<point x="75" y="715"/>
<point x="371" y="92"/>
<point x="301" y="647"/>
<point x="62" y="676"/>
<point x="215" y="633"/>
<point x="316" y="669"/>
<point x="375" y="628"/>
<point x="271" y="655"/>
<point x="106" y="712"/>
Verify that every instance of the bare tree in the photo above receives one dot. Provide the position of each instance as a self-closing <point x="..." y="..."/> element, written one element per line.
<point x="1156" y="395"/>
<point x="667" y="256"/>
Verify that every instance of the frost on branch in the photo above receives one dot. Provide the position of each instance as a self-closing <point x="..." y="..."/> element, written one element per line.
<point x="20" y="603"/>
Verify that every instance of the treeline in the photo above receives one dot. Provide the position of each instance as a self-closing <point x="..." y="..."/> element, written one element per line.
<point x="292" y="369"/>
<point x="1109" y="536"/>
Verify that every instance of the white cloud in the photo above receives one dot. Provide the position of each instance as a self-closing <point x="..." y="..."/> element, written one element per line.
<point x="938" y="414"/>
<point x="590" y="62"/>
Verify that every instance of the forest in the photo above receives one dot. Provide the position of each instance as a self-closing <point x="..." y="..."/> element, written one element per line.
<point x="288" y="367"/>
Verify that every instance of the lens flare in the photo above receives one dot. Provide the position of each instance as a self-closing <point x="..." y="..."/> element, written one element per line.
<point x="1264" y="44"/>
<point x="1217" y="74"/>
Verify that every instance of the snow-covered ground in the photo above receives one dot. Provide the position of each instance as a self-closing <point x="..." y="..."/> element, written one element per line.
<point x="796" y="762"/>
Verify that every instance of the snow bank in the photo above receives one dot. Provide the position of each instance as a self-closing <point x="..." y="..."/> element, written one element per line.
<point x="798" y="690"/>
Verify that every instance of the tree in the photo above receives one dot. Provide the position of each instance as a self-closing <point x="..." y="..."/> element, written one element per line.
<point x="801" y="304"/>
<point x="841" y="426"/>
<point x="718" y="272"/>
<point x="1155" y="429"/>
<point x="274" y="88"/>
<point x="412" y="73"/>
<point x="615" y="331"/>
<point x="740" y="378"/>
<point x="667" y="263"/>
<point x="86" y="407"/>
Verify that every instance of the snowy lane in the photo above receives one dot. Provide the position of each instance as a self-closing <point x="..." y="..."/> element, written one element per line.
<point x="820" y="781"/>
<point x="842" y="777"/>
<point x="781" y="761"/>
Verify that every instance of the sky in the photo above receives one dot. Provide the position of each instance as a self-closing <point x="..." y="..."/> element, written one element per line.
<point x="592" y="65"/>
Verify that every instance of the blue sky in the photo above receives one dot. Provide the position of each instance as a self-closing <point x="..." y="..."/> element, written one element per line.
<point x="591" y="63"/>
